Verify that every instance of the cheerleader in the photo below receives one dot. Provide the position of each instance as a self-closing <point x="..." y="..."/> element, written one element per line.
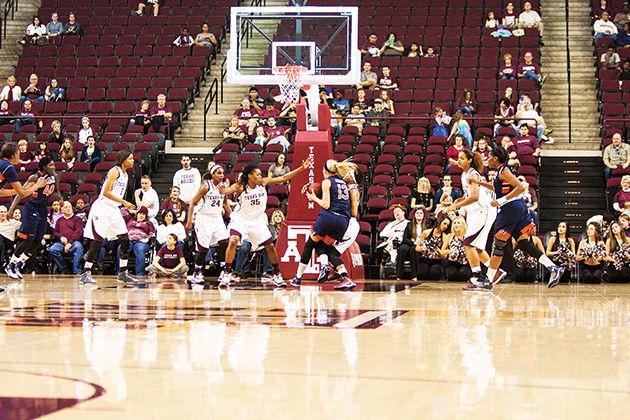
<point x="592" y="253"/>
<point x="561" y="249"/>
<point x="411" y="237"/>
<point x="526" y="266"/>
<point x="457" y="265"/>
<point x="430" y="248"/>
<point x="618" y="254"/>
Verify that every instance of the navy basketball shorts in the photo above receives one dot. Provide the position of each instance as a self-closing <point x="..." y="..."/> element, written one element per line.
<point x="330" y="225"/>
<point x="34" y="223"/>
<point x="514" y="219"/>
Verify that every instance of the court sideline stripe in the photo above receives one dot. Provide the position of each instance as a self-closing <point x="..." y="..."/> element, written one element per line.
<point x="359" y="319"/>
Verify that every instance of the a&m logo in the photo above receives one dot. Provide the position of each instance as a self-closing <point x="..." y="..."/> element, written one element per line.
<point x="297" y="235"/>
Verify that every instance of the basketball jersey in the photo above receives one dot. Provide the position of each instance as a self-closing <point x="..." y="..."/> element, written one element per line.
<point x="501" y="189"/>
<point x="40" y="197"/>
<point x="252" y="203"/>
<point x="8" y="173"/>
<point x="119" y="189"/>
<point x="339" y="196"/>
<point x="212" y="201"/>
<point x="485" y="195"/>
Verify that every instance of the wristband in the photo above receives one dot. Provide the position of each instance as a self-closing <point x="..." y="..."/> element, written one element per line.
<point x="502" y="201"/>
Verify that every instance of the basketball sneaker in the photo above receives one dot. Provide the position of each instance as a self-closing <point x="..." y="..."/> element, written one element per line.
<point x="324" y="271"/>
<point x="86" y="278"/>
<point x="224" y="279"/>
<point x="13" y="270"/>
<point x="501" y="274"/>
<point x="124" y="277"/>
<point x="295" y="281"/>
<point x="278" y="281"/>
<point x="470" y="288"/>
<point x="267" y="279"/>
<point x="234" y="278"/>
<point x="2" y="289"/>
<point x="556" y="275"/>
<point x="481" y="282"/>
<point x="197" y="278"/>
<point x="346" y="284"/>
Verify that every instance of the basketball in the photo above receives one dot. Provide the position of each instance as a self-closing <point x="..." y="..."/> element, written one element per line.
<point x="315" y="188"/>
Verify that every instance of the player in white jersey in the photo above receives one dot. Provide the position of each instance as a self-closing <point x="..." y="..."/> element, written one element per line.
<point x="480" y="216"/>
<point x="105" y="220"/>
<point x="249" y="221"/>
<point x="210" y="228"/>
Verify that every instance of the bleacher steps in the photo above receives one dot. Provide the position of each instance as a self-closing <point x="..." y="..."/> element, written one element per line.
<point x="16" y="29"/>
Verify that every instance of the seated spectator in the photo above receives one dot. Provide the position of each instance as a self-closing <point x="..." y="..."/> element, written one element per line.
<point x="170" y="225"/>
<point x="623" y="37"/>
<point x="184" y="39"/>
<point x="85" y="131"/>
<point x="147" y="197"/>
<point x="324" y="97"/>
<point x="441" y="209"/>
<point x="392" y="234"/>
<point x="422" y="196"/>
<point x="491" y="21"/>
<point x="161" y="113"/>
<point x="452" y="153"/>
<point x="233" y="133"/>
<point x="205" y="38"/>
<point x="407" y="248"/>
<point x="255" y="100"/>
<point x="442" y="120"/>
<point x="8" y="228"/>
<point x="483" y="149"/>
<point x="67" y="234"/>
<point x="6" y="115"/>
<point x="67" y="154"/>
<point x="461" y="128"/>
<point x="277" y="135"/>
<point x="610" y="59"/>
<point x="371" y="48"/>
<point x="529" y="70"/>
<point x="91" y="153"/>
<point x="175" y="204"/>
<point x="525" y="144"/>
<point x="466" y="104"/>
<point x="26" y="157"/>
<point x="386" y="81"/>
<point x="617" y="254"/>
<point x="530" y="117"/>
<point x="530" y="19"/>
<point x="392" y="46"/>
<point x="81" y="210"/>
<point x="340" y="103"/>
<point x="624" y="72"/>
<point x="72" y="27"/>
<point x="388" y="103"/>
<point x="507" y="70"/>
<point x="53" y="92"/>
<point x="430" y="248"/>
<point x="269" y="110"/>
<point x="279" y="167"/>
<point x="592" y="254"/>
<point x="11" y="92"/>
<point x="378" y="117"/>
<point x="504" y="116"/>
<point x="430" y="52"/>
<point x="32" y="92"/>
<point x="510" y="20"/>
<point x="363" y="103"/>
<point x="508" y="146"/>
<point x="247" y="117"/>
<point x="599" y="10"/>
<point x="142" y="6"/>
<point x="261" y="137"/>
<point x="457" y="268"/>
<point x="141" y="230"/>
<point x="55" y="213"/>
<point x="415" y="50"/>
<point x="447" y="188"/>
<point x="35" y="33"/>
<point x="369" y="79"/>
<point x="356" y="118"/>
<point x="616" y="155"/>
<point x="54" y="27"/>
<point x="509" y="94"/>
<point x="526" y="267"/>
<point x="622" y="18"/>
<point x="561" y="248"/>
<point x="621" y="202"/>
<point x="142" y="117"/>
<point x="169" y="260"/>
<point x="42" y="152"/>
<point x="605" y="29"/>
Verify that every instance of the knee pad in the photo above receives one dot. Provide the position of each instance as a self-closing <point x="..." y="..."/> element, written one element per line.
<point x="123" y="241"/>
<point x="93" y="249"/>
<point x="308" y="251"/>
<point x="498" y="247"/>
<point x="529" y="248"/>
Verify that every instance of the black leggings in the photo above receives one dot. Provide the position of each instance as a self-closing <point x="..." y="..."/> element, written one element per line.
<point x="405" y="253"/>
<point x="591" y="273"/>
<point x="428" y="269"/>
<point x="457" y="272"/>
<point x="618" y="276"/>
<point x="527" y="275"/>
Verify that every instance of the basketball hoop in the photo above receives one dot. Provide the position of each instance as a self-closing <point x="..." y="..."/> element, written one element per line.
<point x="289" y="80"/>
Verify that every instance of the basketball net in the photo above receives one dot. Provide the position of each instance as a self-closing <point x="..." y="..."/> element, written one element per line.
<point x="289" y="80"/>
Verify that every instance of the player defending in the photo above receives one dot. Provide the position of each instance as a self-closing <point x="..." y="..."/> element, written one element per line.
<point x="34" y="217"/>
<point x="513" y="219"/>
<point x="249" y="221"/>
<point x="332" y="221"/>
<point x="210" y="229"/>
<point x="105" y="220"/>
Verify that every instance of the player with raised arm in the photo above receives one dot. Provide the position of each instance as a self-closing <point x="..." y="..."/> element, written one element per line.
<point x="105" y="220"/>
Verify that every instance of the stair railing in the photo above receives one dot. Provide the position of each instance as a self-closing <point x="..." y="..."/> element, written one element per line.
<point x="10" y="7"/>
<point x="568" y="48"/>
<point x="212" y="98"/>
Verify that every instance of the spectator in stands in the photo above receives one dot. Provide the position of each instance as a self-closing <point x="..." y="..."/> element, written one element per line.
<point x="466" y="104"/>
<point x="483" y="149"/>
<point x="561" y="248"/>
<point x="277" y="135"/>
<point x="11" y="92"/>
<point x="504" y="116"/>
<point x="8" y="228"/>
<point x="53" y="92"/>
<point x="161" y="113"/>
<point x="623" y="37"/>
<point x="35" y="33"/>
<point x="530" y="19"/>
<point x="81" y="210"/>
<point x="143" y="4"/>
<point x="530" y="198"/>
<point x="17" y="214"/>
<point x="170" y="225"/>
<point x="441" y="122"/>
<point x="58" y="134"/>
<point x="363" y="103"/>
<point x="386" y="81"/>
<point x="430" y="248"/>
<point x="528" y="70"/>
<point x="509" y="94"/>
<point x="68" y="233"/>
<point x="169" y="260"/>
<point x="506" y="143"/>
<point x="67" y="154"/>
<point x="378" y="117"/>
<point x="622" y="18"/>
<point x="605" y="29"/>
<point x="42" y="152"/>
<point x="340" y="103"/>
<point x="415" y="50"/>
<point x="442" y="207"/>
<point x="85" y="131"/>
<point x="33" y="92"/>
<point x="617" y="254"/>
<point x="407" y="249"/>
<point x="147" y="197"/>
<point x="491" y="21"/>
<point x="371" y="48"/>
<point x="54" y="27"/>
<point x="247" y="117"/>
<point x="529" y="116"/>
<point x="621" y="202"/>
<point x="510" y="20"/>
<point x="205" y="38"/>
<point x="507" y="70"/>
<point x="55" y="213"/>
<point x="369" y="79"/>
<point x="174" y="203"/>
<point x="592" y="253"/>
<point x="447" y="189"/>
<point x="525" y="144"/>
<point x="457" y="268"/>
<point x="624" y="72"/>
<point x="184" y="39"/>
<point x="6" y="115"/>
<point x="422" y="197"/>
<point x="255" y="100"/>
<point x="142" y="117"/>
<point x="600" y="9"/>
<point x="26" y="116"/>
<point x="187" y="179"/>
<point x="269" y="110"/>
<point x="392" y="234"/>
<point x="324" y="97"/>
<point x="26" y="157"/>
<point x="91" y="153"/>
<point x="461" y="128"/>
<point x="610" y="59"/>
<point x="141" y="230"/>
<point x="388" y="103"/>
<point x="616" y="155"/>
<point x="261" y="137"/>
<point x="430" y="52"/>
<point x="392" y="46"/>
<point x="72" y="27"/>
<point x="356" y="118"/>
<point x="279" y="167"/>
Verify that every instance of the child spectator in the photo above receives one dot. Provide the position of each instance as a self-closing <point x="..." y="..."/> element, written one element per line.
<point x="67" y="154"/>
<point x="184" y="39"/>
<point x="415" y="50"/>
<point x="430" y="52"/>
<point x="85" y="131"/>
<point x="356" y="118"/>
<point x="507" y="70"/>
<point x="510" y="21"/>
<point x="441" y="122"/>
<point x="91" y="153"/>
<point x="81" y="211"/>
<point x="42" y="152"/>
<point x="371" y="48"/>
<point x="26" y="157"/>
<point x="261" y="137"/>
<point x="386" y="81"/>
<point x="142" y="117"/>
<point x="491" y="22"/>
<point x="169" y="260"/>
<point x="55" y="213"/>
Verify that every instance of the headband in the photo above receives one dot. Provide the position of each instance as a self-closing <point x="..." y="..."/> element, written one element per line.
<point x="214" y="169"/>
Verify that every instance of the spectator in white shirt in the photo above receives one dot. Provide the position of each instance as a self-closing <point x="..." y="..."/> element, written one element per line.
<point x="530" y="19"/>
<point x="187" y="179"/>
<point x="34" y="32"/>
<point x="393" y="233"/>
<point x="11" y="92"/>
<point x="604" y="28"/>
<point x="147" y="197"/>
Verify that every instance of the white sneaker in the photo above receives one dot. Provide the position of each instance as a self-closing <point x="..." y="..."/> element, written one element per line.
<point x="278" y="281"/>
<point x="224" y="279"/>
<point x="197" y="278"/>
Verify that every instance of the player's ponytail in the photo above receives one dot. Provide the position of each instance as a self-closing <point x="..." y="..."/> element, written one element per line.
<point x="500" y="153"/>
<point x="342" y="169"/>
<point x="245" y="174"/>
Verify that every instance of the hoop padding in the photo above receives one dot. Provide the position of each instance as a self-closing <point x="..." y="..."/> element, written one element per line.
<point x="289" y="80"/>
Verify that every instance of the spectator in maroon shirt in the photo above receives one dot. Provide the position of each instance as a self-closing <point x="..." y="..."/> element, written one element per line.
<point x="169" y="260"/>
<point x="371" y="48"/>
<point x="386" y="81"/>
<point x="466" y="104"/>
<point x="508" y="146"/>
<point x="161" y="113"/>
<point x="269" y="110"/>
<point x="173" y="202"/>
<point x="247" y="117"/>
<point x="68" y="233"/>
<point x="26" y="116"/>
<point x="621" y="202"/>
<point x="508" y="69"/>
<point x="525" y="144"/>
<point x="141" y="230"/>
<point x="529" y="70"/>
<point x="277" y="135"/>
<point x="234" y="133"/>
<point x="5" y="113"/>
<point x="32" y="92"/>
